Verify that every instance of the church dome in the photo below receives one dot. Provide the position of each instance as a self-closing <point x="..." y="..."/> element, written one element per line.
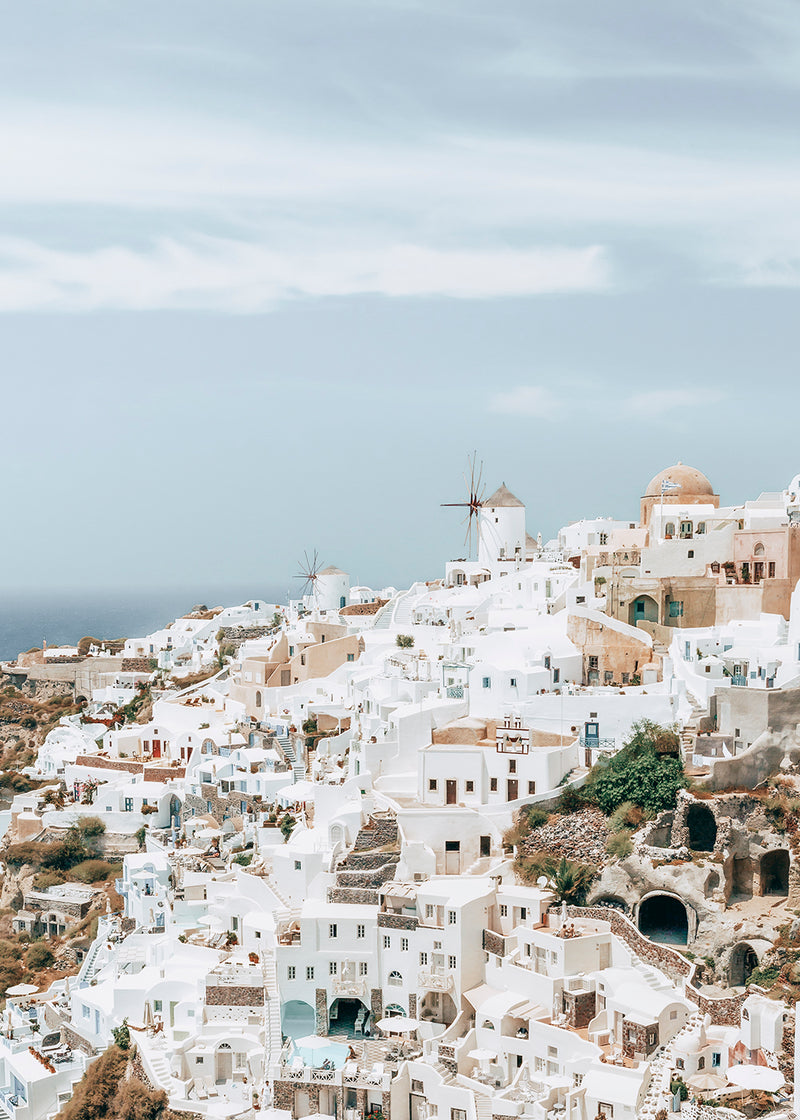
<point x="693" y="483"/>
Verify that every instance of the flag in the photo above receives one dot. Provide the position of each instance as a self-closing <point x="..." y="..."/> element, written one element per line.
<point x="667" y="485"/>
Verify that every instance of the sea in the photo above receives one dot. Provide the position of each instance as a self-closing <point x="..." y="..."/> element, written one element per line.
<point x="27" y="618"/>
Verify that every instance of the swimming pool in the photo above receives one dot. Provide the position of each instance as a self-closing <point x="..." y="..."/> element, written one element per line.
<point x="335" y="1053"/>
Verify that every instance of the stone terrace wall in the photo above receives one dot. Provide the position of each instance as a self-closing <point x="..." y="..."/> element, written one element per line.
<point x="227" y="995"/>
<point x="379" y="831"/>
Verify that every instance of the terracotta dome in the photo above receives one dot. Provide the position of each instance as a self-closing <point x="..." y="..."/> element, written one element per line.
<point x="692" y="482"/>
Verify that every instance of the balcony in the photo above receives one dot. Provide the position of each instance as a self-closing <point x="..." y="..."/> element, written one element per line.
<point x="349" y="988"/>
<point x="435" y="980"/>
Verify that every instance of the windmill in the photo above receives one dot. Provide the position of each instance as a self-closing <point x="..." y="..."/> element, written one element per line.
<point x="309" y="573"/>
<point x="475" y="491"/>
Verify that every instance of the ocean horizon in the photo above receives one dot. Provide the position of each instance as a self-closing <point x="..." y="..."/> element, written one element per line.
<point x="27" y="618"/>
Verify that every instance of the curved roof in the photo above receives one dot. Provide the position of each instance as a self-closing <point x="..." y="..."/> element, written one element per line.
<point x="692" y="482"/>
<point x="503" y="497"/>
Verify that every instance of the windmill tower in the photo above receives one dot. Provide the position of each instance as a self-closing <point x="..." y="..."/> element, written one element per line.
<point x="501" y="531"/>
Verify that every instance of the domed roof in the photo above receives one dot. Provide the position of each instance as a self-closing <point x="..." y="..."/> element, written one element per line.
<point x="691" y="481"/>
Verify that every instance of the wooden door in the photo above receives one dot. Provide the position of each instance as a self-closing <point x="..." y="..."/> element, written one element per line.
<point x="451" y="791"/>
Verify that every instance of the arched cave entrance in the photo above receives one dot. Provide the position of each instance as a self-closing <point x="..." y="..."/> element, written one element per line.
<point x="775" y="872"/>
<point x="702" y="828"/>
<point x="663" y="918"/>
<point x="642" y="609"/>
<point x="743" y="960"/>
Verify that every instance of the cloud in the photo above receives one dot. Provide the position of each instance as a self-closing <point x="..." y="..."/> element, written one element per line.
<point x="226" y="275"/>
<point x="657" y="402"/>
<point x="526" y="400"/>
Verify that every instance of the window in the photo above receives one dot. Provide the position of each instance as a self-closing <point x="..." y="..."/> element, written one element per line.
<point x="531" y="787"/>
<point x="547" y="662"/>
<point x="458" y="1114"/>
<point x="470" y="787"/>
<point x="701" y="1062"/>
<point x="361" y="932"/>
<point x="298" y="866"/>
<point x="669" y="529"/>
<point x="715" y="1061"/>
<point x="234" y="923"/>
<point x="332" y="968"/>
<point x="451" y="961"/>
<point x="556" y="676"/>
<point x="452" y="917"/>
<point x="433" y="784"/>
<point x="404" y="944"/>
<point x="128" y="804"/>
<point x="608" y="676"/>
<point x="676" y="608"/>
<point x="291" y="972"/>
<point x="387" y="942"/>
<point x="513" y="682"/>
<point x="493" y="781"/>
<point x="690" y="554"/>
<point x="512" y="766"/>
<point x="423" y="958"/>
<point x="487" y="682"/>
<point x="686" y="529"/>
<point x="332" y="930"/>
<point x="258" y="699"/>
<point x="503" y="910"/>
<point x="626" y="678"/>
<point x="351" y="657"/>
<point x="157" y="1005"/>
<point x="417" y="1086"/>
<point x="771" y="569"/>
<point x="680" y="1064"/>
<point x="429" y="910"/>
<point x="395" y="979"/>
<point x="362" y="968"/>
<point x="594" y="662"/>
<point x="604" y="538"/>
<point x="310" y="972"/>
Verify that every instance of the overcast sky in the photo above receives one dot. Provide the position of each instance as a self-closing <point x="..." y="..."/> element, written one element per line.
<point x="271" y="269"/>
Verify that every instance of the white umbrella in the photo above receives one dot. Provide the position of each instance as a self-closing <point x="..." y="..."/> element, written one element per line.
<point x="706" y="1082"/>
<point x="312" y="1042"/>
<point x="480" y="1055"/>
<point x="22" y="990"/>
<point x="398" y="1024"/>
<point x="756" y="1077"/>
<point x="299" y="791"/>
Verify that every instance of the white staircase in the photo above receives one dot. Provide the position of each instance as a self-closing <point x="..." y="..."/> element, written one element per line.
<point x="483" y="1106"/>
<point x="298" y="769"/>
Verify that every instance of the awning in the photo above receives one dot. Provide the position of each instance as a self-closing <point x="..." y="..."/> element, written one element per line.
<point x="478" y="996"/>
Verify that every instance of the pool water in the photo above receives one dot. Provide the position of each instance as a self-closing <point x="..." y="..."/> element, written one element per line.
<point x="335" y="1053"/>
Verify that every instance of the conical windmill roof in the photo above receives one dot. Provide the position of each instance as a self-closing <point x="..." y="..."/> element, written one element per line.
<point x="503" y="497"/>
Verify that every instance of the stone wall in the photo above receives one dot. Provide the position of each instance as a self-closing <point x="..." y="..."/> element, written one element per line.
<point x="223" y="805"/>
<point x="356" y="896"/>
<point x="397" y="921"/>
<point x="379" y="832"/>
<point x="494" y="943"/>
<point x="321" y="1010"/>
<point x="229" y="995"/>
<point x="376" y="1004"/>
<point x="579" y="1007"/>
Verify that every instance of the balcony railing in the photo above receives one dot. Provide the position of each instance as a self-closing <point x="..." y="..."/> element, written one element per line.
<point x="455" y="692"/>
<point x="349" y="988"/>
<point x="435" y="980"/>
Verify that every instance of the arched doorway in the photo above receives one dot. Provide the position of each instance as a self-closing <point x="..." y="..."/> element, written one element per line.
<point x="643" y="608"/>
<point x="224" y="1062"/>
<point x="663" y="918"/>
<point x="297" y="1019"/>
<point x="775" y="872"/>
<point x="702" y="828"/>
<point x="742" y="962"/>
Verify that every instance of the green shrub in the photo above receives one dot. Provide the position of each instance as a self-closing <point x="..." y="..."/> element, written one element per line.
<point x="44" y="879"/>
<point x="764" y="976"/>
<point x="619" y="844"/>
<point x="404" y="641"/>
<point x="638" y="773"/>
<point x="286" y="826"/>
<point x="139" y="835"/>
<point x="626" y="816"/>
<point x="94" y="1093"/>
<point x="533" y="817"/>
<point x="38" y="956"/>
<point x="571" y="801"/>
<point x="95" y="871"/>
<point x="91" y="826"/>
<point x="243" y="859"/>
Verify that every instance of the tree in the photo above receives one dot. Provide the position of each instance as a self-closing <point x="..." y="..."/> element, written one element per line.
<point x="404" y="641"/>
<point x="122" y="1035"/>
<point x="568" y="881"/>
<point x="641" y="773"/>
<point x="38" y="956"/>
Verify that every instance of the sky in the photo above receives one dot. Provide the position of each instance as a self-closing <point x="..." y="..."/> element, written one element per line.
<point x="271" y="271"/>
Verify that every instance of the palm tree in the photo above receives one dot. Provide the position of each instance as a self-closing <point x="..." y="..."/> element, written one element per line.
<point x="569" y="881"/>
